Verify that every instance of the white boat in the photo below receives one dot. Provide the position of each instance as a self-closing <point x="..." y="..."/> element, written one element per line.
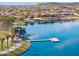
<point x="54" y="39"/>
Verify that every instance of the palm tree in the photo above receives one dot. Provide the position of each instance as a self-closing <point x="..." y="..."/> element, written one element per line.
<point x="7" y="37"/>
<point x="2" y="41"/>
<point x="12" y="36"/>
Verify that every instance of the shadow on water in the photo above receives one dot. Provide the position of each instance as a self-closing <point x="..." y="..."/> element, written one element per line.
<point x="50" y="21"/>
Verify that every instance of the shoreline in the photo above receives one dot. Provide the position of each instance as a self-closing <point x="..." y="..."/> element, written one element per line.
<point x="25" y="45"/>
<point x="52" y="19"/>
<point x="20" y="50"/>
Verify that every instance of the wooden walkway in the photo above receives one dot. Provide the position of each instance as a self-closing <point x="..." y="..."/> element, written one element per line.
<point x="45" y="40"/>
<point x="38" y="40"/>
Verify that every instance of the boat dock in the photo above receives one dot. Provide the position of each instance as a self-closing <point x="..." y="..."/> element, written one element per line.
<point x="38" y="40"/>
<point x="45" y="40"/>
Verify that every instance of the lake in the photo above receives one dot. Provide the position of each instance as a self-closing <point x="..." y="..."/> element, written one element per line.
<point x="66" y="32"/>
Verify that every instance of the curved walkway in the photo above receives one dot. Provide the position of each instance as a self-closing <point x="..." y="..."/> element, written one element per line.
<point x="17" y="49"/>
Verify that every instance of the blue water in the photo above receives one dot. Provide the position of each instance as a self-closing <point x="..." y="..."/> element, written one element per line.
<point x="66" y="32"/>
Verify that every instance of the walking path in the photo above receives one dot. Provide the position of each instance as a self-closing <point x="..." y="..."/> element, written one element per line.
<point x="13" y="48"/>
<point x="17" y="49"/>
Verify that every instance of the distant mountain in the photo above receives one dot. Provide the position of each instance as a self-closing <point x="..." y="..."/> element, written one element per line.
<point x="59" y="3"/>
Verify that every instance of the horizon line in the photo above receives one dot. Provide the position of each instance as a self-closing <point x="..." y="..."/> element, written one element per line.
<point x="29" y="3"/>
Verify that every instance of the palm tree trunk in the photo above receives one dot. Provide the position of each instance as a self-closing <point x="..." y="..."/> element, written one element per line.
<point x="7" y="43"/>
<point x="1" y="45"/>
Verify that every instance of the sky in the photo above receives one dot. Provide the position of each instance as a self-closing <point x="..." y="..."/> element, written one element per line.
<point x="23" y="3"/>
<point x="19" y="3"/>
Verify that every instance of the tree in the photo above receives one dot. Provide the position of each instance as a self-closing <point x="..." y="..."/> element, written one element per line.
<point x="2" y="41"/>
<point x="38" y="10"/>
<point x="7" y="18"/>
<point x="7" y="37"/>
<point x="21" y="19"/>
<point x="6" y="21"/>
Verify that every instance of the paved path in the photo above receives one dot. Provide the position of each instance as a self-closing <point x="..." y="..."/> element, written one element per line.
<point x="13" y="48"/>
